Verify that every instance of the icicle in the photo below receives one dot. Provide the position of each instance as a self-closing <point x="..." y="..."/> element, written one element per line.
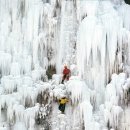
<point x="29" y="115"/>
<point x="78" y="90"/>
<point x="10" y="114"/>
<point x="86" y="112"/>
<point x="38" y="73"/>
<point x="5" y="63"/>
<point x="15" y="69"/>
<point x="110" y="92"/>
<point x="19" y="112"/>
<point x="26" y="64"/>
<point x="116" y="115"/>
<point x="124" y="12"/>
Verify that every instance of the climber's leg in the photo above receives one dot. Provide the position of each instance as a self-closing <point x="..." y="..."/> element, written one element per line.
<point x="62" y="108"/>
<point x="64" y="77"/>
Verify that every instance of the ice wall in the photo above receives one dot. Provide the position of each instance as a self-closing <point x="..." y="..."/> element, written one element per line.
<point x="67" y="35"/>
<point x="101" y="42"/>
<point x="91" y="37"/>
<point x="27" y="34"/>
<point x="44" y="32"/>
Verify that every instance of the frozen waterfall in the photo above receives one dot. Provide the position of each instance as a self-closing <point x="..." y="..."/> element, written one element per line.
<point x="91" y="37"/>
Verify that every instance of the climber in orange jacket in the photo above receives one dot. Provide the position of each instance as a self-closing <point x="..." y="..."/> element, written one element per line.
<point x="66" y="74"/>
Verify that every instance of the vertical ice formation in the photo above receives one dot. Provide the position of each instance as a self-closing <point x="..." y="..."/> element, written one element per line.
<point x="41" y="31"/>
<point x="115" y="95"/>
<point x="81" y="102"/>
<point x="102" y="39"/>
<point x="21" y="104"/>
<point x="67" y="34"/>
<point x="28" y="34"/>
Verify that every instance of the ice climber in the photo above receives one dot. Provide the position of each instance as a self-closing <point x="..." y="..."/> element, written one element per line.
<point x="62" y="103"/>
<point x="66" y="74"/>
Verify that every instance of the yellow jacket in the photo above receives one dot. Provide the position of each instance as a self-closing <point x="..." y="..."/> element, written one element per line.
<point x="63" y="100"/>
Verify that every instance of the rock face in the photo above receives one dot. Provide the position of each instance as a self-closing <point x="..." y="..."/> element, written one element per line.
<point x="127" y="1"/>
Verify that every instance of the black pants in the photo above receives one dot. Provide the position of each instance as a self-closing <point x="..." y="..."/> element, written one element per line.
<point x="62" y="107"/>
<point x="66" y="76"/>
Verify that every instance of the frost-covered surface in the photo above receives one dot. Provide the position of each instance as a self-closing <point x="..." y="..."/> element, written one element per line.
<point x="91" y="37"/>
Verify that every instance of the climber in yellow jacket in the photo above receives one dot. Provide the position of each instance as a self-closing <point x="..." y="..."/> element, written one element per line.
<point x="62" y="103"/>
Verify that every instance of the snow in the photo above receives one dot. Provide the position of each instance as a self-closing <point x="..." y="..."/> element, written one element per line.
<point x="19" y="126"/>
